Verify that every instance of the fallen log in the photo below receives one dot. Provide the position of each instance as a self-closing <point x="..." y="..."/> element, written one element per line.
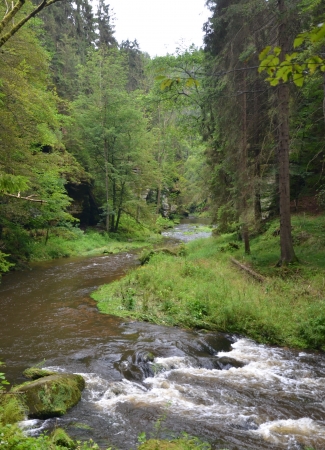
<point x="251" y="272"/>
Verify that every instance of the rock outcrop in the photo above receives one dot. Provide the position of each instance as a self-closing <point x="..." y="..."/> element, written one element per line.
<point x="50" y="396"/>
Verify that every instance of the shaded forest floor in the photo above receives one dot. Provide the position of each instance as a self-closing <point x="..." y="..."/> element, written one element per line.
<point x="201" y="288"/>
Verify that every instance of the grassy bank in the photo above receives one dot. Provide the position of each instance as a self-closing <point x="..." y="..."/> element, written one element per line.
<point x="76" y="242"/>
<point x="203" y="289"/>
<point x="22" y="246"/>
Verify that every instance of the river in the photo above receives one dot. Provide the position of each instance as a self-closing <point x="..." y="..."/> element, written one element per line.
<point x="227" y="390"/>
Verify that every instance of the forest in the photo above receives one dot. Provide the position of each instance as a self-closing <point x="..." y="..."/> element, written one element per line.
<point x="103" y="147"/>
<point x="97" y="133"/>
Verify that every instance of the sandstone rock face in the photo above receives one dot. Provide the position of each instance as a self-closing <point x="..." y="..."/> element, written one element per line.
<point x="50" y="396"/>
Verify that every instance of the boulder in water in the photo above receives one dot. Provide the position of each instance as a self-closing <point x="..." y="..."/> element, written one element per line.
<point x="34" y="373"/>
<point x="50" y="396"/>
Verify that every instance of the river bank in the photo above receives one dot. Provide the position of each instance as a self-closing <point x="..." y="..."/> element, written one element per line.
<point x="70" y="241"/>
<point x="216" y="386"/>
<point x="202" y="289"/>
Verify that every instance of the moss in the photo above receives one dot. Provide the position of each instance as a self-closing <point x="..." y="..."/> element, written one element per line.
<point x="11" y="409"/>
<point x="61" y="438"/>
<point x="51" y="396"/>
<point x="34" y="373"/>
<point x="185" y="443"/>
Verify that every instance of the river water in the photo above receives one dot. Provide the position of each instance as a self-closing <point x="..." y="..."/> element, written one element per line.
<point x="227" y="390"/>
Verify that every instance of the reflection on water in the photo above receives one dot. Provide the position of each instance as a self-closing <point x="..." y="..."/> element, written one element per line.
<point x="230" y="391"/>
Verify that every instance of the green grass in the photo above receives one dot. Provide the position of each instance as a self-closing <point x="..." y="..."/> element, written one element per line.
<point x="74" y="242"/>
<point x="204" y="290"/>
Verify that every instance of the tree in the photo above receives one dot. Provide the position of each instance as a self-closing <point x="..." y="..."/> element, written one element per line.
<point x="286" y="243"/>
<point x="9" y="28"/>
<point x="104" y="27"/>
<point x="235" y="112"/>
<point x="110" y="136"/>
<point x="34" y="165"/>
<point x="175" y="105"/>
<point x="135" y="59"/>
<point x="282" y="67"/>
<point x="69" y="34"/>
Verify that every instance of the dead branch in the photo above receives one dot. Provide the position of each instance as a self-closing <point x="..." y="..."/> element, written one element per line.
<point x="29" y="198"/>
<point x="251" y="272"/>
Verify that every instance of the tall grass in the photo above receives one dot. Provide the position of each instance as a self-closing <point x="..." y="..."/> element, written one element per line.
<point x="72" y="242"/>
<point x="204" y="290"/>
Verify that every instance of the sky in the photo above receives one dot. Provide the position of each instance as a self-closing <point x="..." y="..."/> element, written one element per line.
<point x="160" y="26"/>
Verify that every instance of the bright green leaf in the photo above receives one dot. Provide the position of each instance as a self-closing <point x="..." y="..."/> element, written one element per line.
<point x="264" y="52"/>
<point x="298" y="79"/>
<point x="277" y="51"/>
<point x="273" y="81"/>
<point x="298" y="41"/>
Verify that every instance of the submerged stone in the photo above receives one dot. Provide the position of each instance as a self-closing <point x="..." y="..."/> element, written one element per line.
<point x="50" y="396"/>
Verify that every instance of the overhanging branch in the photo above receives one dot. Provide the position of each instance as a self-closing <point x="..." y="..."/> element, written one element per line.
<point x="14" y="11"/>
<point x="28" y="198"/>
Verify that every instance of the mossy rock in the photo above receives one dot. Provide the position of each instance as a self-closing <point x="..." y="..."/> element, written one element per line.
<point x="60" y="438"/>
<point x="147" y="255"/>
<point x="50" y="396"/>
<point x="176" y="444"/>
<point x="158" y="444"/>
<point x="34" y="373"/>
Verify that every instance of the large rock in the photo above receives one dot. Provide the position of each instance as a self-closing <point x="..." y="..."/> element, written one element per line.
<point x="51" y="396"/>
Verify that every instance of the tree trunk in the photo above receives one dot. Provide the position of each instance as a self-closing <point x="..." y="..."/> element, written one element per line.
<point x="243" y="175"/>
<point x="286" y="245"/>
<point x="158" y="199"/>
<point x="324" y="95"/>
<point x="257" y="154"/>
<point x="106" y="185"/>
<point x="107" y="196"/>
<point x="117" y="222"/>
<point x="47" y="235"/>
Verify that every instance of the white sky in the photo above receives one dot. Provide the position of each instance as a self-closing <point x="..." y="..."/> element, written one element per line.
<point x="160" y="26"/>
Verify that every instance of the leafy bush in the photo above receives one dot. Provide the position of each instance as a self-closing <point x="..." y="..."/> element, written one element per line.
<point x="163" y="223"/>
<point x="312" y="330"/>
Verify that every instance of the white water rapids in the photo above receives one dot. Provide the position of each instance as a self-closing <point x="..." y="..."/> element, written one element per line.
<point x="237" y="398"/>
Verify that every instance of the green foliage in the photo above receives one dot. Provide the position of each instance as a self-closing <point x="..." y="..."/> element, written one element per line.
<point x="65" y="241"/>
<point x="295" y="66"/>
<point x="312" y="328"/>
<point x="3" y="381"/>
<point x="12" y="184"/>
<point x="12" y="438"/>
<point x="4" y="264"/>
<point x="112" y="138"/>
<point x="61" y="439"/>
<point x="163" y="223"/>
<point x="11" y="410"/>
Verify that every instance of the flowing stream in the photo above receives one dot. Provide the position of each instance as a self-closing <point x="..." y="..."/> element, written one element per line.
<point x="227" y="390"/>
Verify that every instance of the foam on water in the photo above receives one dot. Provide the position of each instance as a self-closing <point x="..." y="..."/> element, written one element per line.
<point x="282" y="431"/>
<point x="214" y="397"/>
<point x="221" y="395"/>
<point x="34" y="427"/>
